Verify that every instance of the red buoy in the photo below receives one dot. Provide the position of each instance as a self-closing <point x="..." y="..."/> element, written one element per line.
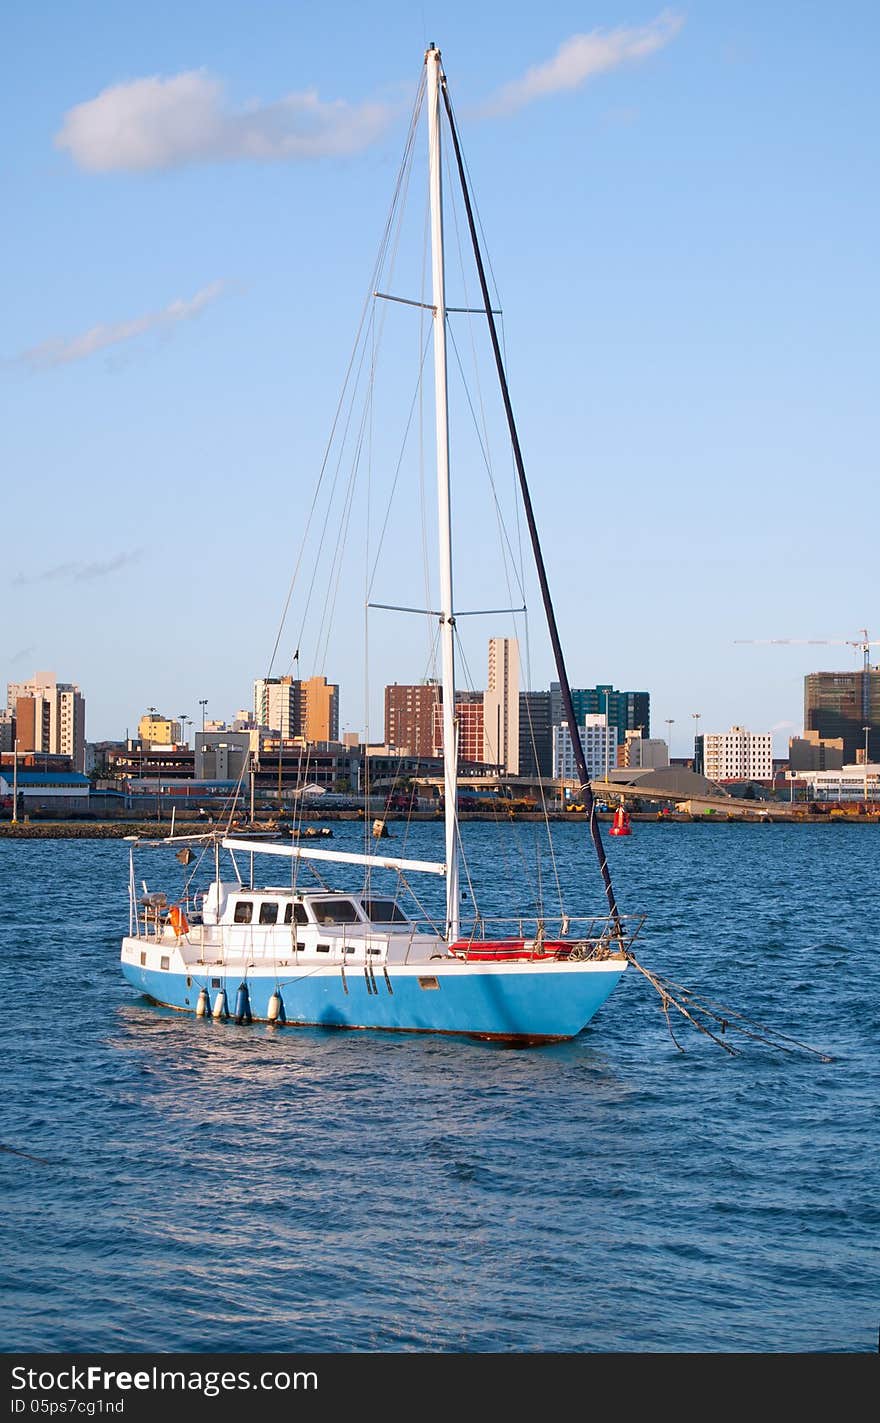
<point x="620" y="824"/>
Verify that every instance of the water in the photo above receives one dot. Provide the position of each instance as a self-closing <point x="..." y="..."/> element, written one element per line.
<point x="203" y="1187"/>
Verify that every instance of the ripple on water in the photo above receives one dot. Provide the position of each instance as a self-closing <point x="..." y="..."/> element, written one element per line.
<point x="202" y="1187"/>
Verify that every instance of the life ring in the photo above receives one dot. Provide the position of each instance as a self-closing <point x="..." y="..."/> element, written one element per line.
<point x="178" y="920"/>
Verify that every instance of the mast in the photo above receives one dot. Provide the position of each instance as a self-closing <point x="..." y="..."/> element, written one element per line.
<point x="447" y="617"/>
<point x="564" y="686"/>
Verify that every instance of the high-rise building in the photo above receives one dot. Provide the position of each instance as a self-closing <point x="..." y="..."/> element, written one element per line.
<point x="409" y="716"/>
<point x="599" y="742"/>
<point x="628" y="711"/>
<point x="842" y="704"/>
<point x="49" y="716"/>
<point x="469" y="720"/>
<point x="276" y="702"/>
<point x="535" y="734"/>
<point x="309" y="708"/>
<point x="738" y="755"/>
<point x="501" y="706"/>
<point x="319" y="710"/>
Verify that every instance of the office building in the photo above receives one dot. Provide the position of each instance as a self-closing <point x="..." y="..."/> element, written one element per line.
<point x="840" y="705"/>
<point x="599" y="742"/>
<point x="627" y="711"/>
<point x="535" y="734"/>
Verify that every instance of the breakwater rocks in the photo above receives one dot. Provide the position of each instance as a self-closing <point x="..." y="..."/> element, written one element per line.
<point x="77" y="830"/>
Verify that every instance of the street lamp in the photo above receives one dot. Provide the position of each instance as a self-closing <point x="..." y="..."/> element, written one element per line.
<point x="670" y="722"/>
<point x="182" y="716"/>
<point x="203" y="702"/>
<point x="696" y="717"/>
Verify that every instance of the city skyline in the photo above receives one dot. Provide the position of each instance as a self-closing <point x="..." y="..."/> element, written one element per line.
<point x="836" y="706"/>
<point x="691" y="358"/>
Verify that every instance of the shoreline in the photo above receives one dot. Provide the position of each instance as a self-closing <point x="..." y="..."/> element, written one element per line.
<point x="152" y="830"/>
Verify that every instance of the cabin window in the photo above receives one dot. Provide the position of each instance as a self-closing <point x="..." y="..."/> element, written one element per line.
<point x="335" y="911"/>
<point x="143" y="957"/>
<point x="243" y="911"/>
<point x="164" y="962"/>
<point x="215" y="983"/>
<point x="323" y="948"/>
<point x="384" y="911"/>
<point x="429" y="983"/>
<point x="268" y="913"/>
<point x="295" y="913"/>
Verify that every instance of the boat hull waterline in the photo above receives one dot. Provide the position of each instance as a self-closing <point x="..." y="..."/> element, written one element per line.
<point x="551" y="1002"/>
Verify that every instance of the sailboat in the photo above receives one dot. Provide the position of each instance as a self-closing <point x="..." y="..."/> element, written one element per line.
<point x="253" y="950"/>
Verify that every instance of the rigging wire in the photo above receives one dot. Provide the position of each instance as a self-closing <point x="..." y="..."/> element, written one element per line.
<point x="404" y="169"/>
<point x="513" y="561"/>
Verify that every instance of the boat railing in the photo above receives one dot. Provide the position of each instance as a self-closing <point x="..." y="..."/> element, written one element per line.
<point x="563" y="926"/>
<point x="563" y="936"/>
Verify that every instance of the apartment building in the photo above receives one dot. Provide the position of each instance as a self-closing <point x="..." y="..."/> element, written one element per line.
<point x="501" y="706"/>
<point x="50" y="716"/>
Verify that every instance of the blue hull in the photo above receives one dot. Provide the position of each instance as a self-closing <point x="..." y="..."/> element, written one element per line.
<point x="521" y="1004"/>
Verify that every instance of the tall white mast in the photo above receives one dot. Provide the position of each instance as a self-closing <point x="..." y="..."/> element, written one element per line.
<point x="447" y="624"/>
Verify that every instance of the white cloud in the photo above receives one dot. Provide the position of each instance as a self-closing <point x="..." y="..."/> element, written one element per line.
<point x="58" y="352"/>
<point x="160" y="123"/>
<point x="582" y="57"/>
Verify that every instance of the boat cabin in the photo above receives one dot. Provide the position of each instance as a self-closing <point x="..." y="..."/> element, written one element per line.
<point x="232" y="903"/>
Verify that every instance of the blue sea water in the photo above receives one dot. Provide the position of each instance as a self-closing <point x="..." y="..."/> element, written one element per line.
<point x="176" y="1185"/>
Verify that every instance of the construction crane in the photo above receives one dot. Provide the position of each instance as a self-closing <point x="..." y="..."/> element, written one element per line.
<point x="862" y="643"/>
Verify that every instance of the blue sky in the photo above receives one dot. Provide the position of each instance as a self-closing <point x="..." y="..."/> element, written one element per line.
<point x="681" y="209"/>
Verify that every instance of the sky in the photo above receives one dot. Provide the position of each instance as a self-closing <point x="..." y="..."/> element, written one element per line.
<point x="681" y="209"/>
